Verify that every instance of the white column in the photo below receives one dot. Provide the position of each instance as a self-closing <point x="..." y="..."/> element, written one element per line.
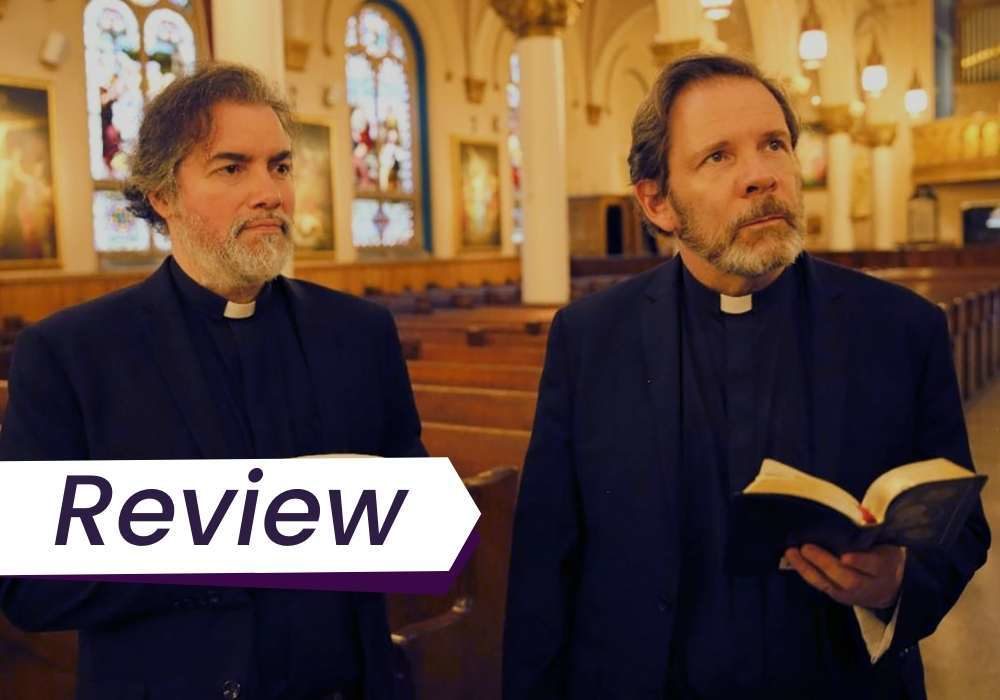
<point x="683" y="29"/>
<point x="545" y="251"/>
<point x="251" y="32"/>
<point x="837" y="121"/>
<point x="838" y="190"/>
<point x="881" y="137"/>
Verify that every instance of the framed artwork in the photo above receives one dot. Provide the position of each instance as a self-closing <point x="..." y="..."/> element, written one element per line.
<point x="313" y="177"/>
<point x="813" y="156"/>
<point x="28" y="236"/>
<point x="476" y="168"/>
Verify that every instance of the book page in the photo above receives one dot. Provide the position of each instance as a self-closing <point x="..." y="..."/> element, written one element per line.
<point x="777" y="478"/>
<point x="885" y="488"/>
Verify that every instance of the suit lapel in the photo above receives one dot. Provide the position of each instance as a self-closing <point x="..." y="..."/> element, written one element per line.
<point x="828" y="359"/>
<point x="325" y="358"/>
<point x="174" y="354"/>
<point x="660" y="318"/>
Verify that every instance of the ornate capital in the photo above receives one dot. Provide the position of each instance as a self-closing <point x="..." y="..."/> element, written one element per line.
<point x="875" y="135"/>
<point x="667" y="52"/>
<point x="296" y="53"/>
<point x="836" y="119"/>
<point x="537" y="17"/>
<point x="474" y="90"/>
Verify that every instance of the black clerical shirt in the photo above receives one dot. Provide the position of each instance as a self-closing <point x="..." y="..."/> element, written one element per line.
<point x="256" y="369"/>
<point x="745" y="390"/>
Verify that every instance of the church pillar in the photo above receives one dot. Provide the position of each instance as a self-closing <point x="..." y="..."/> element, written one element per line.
<point x="251" y="33"/>
<point x="837" y="121"/>
<point x="545" y="250"/>
<point x="880" y="138"/>
<point x="682" y="29"/>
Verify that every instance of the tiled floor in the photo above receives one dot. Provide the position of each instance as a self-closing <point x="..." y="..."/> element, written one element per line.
<point x="962" y="659"/>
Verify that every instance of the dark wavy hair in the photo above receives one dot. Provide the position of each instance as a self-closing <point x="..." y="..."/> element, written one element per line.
<point x="180" y="117"/>
<point x="647" y="159"/>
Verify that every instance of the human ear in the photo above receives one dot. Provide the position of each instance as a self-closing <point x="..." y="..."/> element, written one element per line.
<point x="655" y="206"/>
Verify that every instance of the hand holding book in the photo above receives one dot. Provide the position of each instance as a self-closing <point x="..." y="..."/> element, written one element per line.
<point x="919" y="505"/>
<point x="868" y="579"/>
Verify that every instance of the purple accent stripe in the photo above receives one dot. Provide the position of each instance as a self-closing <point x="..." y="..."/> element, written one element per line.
<point x="413" y="582"/>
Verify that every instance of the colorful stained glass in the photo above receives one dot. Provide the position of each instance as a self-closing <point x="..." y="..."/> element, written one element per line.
<point x="169" y="44"/>
<point x="393" y="112"/>
<point x="382" y="223"/>
<point x="374" y="32"/>
<point x="114" y="92"/>
<point x="380" y="97"/>
<point x="126" y="65"/>
<point x="115" y="227"/>
<point x="514" y="151"/>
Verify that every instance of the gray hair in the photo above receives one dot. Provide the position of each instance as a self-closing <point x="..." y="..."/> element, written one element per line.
<point x="180" y="117"/>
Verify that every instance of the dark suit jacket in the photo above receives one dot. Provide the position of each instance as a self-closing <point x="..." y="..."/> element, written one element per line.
<point x="594" y="568"/>
<point x="117" y="378"/>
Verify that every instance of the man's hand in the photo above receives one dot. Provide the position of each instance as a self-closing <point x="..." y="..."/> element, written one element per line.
<point x="867" y="579"/>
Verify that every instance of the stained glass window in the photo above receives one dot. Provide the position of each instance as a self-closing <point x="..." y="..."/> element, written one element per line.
<point x="514" y="146"/>
<point x="133" y="49"/>
<point x="380" y="96"/>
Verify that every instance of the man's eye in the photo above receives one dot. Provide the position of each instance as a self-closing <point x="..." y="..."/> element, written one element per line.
<point x="284" y="168"/>
<point x="715" y="157"/>
<point x="231" y="169"/>
<point x="777" y="145"/>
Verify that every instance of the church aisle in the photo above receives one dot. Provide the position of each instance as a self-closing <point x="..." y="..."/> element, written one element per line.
<point x="962" y="659"/>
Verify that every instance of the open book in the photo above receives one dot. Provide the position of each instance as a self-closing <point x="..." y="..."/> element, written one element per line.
<point x="920" y="505"/>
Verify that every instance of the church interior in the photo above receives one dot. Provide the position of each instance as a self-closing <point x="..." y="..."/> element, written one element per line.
<point x="463" y="162"/>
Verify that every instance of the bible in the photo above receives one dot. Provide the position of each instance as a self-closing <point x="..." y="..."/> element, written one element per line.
<point x="919" y="505"/>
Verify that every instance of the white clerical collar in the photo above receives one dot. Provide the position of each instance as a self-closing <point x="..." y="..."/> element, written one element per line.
<point x="237" y="310"/>
<point x="735" y="305"/>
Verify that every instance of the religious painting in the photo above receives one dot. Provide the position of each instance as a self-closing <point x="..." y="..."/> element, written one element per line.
<point x="813" y="157"/>
<point x="27" y="198"/>
<point x="476" y="167"/>
<point x="312" y="159"/>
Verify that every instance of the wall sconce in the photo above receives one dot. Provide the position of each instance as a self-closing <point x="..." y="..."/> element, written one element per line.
<point x="916" y="99"/>
<point x="812" y="41"/>
<point x="716" y="10"/>
<point x="875" y="76"/>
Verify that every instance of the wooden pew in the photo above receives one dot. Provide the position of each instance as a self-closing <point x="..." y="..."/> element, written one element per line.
<point x="492" y="408"/>
<point x="456" y="652"/>
<point x="523" y="355"/>
<point x="484" y="376"/>
<point x="473" y="449"/>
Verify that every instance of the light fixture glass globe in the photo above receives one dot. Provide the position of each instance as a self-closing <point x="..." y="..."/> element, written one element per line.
<point x="812" y="48"/>
<point x="916" y="101"/>
<point x="716" y="10"/>
<point x="874" y="79"/>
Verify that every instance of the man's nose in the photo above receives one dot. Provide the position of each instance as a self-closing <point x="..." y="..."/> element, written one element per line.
<point x="267" y="191"/>
<point x="759" y="178"/>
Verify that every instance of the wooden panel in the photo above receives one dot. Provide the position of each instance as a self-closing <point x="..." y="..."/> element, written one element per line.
<point x="473" y="450"/>
<point x="524" y="355"/>
<point x="35" y="295"/>
<point x="492" y="408"/>
<point x="483" y="376"/>
<point x="396" y="276"/>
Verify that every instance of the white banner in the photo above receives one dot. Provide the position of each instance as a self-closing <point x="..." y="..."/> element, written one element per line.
<point x="340" y="515"/>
